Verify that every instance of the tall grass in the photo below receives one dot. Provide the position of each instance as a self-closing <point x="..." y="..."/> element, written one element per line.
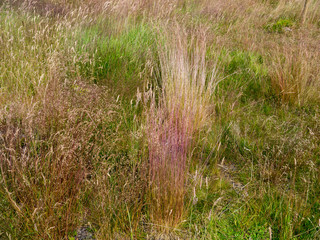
<point x="182" y="109"/>
<point x="294" y="76"/>
<point x="45" y="154"/>
<point x="46" y="128"/>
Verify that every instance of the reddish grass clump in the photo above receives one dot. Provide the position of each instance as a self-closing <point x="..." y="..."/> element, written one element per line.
<point x="169" y="139"/>
<point x="182" y="109"/>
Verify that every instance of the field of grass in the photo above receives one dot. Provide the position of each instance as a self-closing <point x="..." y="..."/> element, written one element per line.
<point x="160" y="119"/>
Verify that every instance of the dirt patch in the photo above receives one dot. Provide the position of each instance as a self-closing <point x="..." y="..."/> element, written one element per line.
<point x="84" y="233"/>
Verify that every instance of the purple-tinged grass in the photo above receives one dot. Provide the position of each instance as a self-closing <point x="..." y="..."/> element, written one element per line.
<point x="183" y="108"/>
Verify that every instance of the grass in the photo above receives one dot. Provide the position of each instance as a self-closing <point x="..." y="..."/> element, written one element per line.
<point x="183" y="110"/>
<point x="159" y="120"/>
<point x="118" y="61"/>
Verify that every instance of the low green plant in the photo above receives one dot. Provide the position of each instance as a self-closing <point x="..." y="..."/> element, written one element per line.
<point x="280" y="26"/>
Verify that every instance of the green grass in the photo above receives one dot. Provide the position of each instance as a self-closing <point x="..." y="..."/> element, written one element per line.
<point x="280" y="25"/>
<point x="244" y="73"/>
<point x="119" y="61"/>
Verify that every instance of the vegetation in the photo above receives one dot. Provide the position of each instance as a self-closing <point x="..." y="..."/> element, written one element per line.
<point x="164" y="119"/>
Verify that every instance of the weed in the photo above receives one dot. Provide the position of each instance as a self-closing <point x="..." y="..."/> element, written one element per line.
<point x="280" y="26"/>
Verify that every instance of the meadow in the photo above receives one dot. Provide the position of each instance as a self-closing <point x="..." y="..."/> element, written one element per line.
<point x="160" y="119"/>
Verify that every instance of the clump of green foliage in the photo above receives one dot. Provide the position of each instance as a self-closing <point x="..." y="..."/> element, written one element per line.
<point x="244" y="72"/>
<point x="280" y="25"/>
<point x="118" y="61"/>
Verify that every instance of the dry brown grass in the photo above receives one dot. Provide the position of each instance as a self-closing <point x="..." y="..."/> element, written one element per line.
<point x="46" y="152"/>
<point x="295" y="74"/>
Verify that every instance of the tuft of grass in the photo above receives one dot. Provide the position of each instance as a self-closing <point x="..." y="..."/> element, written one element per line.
<point x="183" y="108"/>
<point x="293" y="76"/>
